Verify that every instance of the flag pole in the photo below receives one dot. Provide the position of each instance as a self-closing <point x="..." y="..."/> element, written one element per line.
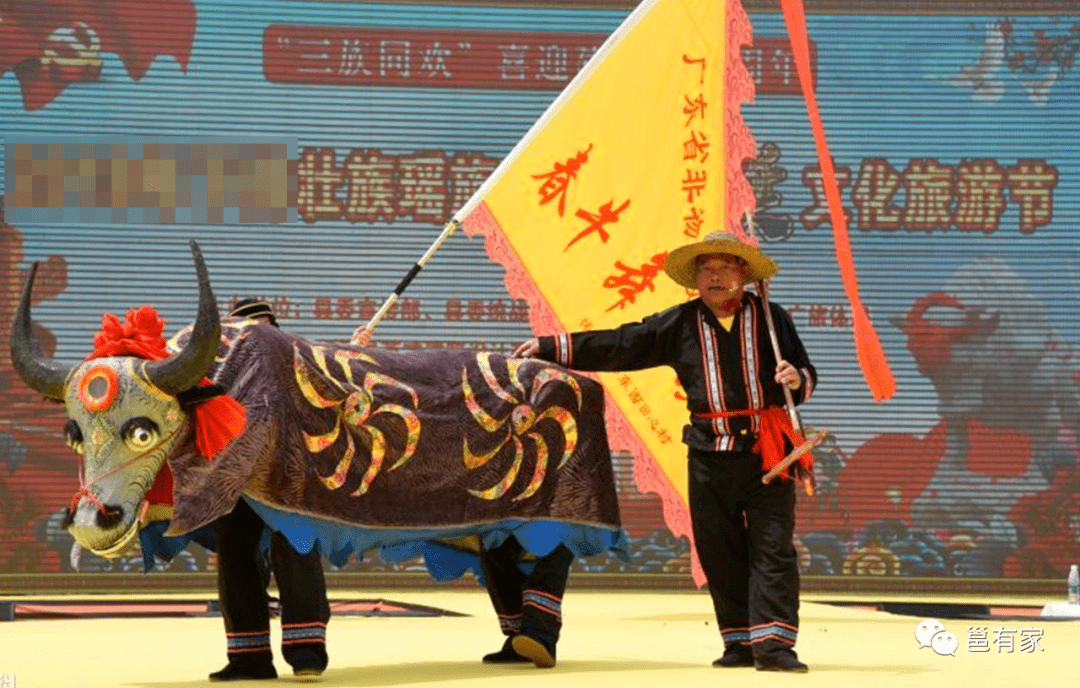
<point x="807" y="444"/>
<point x="763" y="292"/>
<point x="362" y="334"/>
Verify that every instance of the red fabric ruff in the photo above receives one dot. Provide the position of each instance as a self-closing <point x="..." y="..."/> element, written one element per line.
<point x="216" y="421"/>
<point x="161" y="492"/>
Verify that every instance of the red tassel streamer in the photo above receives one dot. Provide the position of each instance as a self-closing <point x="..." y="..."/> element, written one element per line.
<point x="875" y="367"/>
<point x="775" y="426"/>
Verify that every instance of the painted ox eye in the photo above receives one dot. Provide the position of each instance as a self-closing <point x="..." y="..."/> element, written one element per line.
<point x="73" y="436"/>
<point x="139" y="433"/>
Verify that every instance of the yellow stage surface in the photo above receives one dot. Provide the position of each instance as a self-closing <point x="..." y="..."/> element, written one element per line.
<point x="617" y="639"/>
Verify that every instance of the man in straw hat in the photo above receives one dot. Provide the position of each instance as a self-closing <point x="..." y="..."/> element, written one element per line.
<point x="720" y="348"/>
<point x="243" y="576"/>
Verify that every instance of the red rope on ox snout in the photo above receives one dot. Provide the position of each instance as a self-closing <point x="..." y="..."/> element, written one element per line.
<point x="84" y="487"/>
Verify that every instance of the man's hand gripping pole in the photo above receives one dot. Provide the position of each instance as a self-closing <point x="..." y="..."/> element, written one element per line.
<point x="808" y="444"/>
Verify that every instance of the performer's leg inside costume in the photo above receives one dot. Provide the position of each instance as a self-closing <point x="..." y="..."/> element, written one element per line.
<point x="528" y="605"/>
<point x="242" y="597"/>
<point x="305" y="610"/>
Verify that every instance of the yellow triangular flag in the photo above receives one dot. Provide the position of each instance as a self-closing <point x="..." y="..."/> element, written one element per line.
<point x="632" y="160"/>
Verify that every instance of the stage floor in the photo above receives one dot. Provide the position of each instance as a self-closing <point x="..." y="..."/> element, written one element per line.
<point x="617" y="639"/>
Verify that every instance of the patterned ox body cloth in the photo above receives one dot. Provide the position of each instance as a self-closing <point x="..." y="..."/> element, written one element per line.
<point x="429" y="453"/>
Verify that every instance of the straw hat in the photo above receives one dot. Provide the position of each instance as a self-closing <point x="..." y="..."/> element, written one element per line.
<point x="680" y="265"/>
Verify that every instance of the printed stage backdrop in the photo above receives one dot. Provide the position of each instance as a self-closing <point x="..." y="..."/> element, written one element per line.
<point x="956" y="148"/>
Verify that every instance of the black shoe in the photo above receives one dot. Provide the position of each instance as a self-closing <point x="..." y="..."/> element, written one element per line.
<point x="535" y="650"/>
<point x="736" y="656"/>
<point x="784" y="660"/>
<point x="245" y="669"/>
<point x="307" y="663"/>
<point x="505" y="656"/>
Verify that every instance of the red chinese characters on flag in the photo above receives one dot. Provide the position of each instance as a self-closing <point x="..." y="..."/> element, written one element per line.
<point x="597" y="221"/>
<point x="700" y="61"/>
<point x="557" y="181"/>
<point x="695" y="150"/>
<point x="696" y="147"/>
<point x="695" y="108"/>
<point x="694" y="184"/>
<point x="632" y="281"/>
<point x="693" y="222"/>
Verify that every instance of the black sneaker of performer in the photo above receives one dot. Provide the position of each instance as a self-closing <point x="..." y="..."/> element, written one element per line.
<point x="246" y="669"/>
<point x="308" y="663"/>
<point x="541" y="653"/>
<point x="505" y="656"/>
<point x="781" y="660"/>
<point x="736" y="656"/>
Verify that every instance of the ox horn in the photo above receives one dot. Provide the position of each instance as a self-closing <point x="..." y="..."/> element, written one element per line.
<point x="183" y="370"/>
<point x="40" y="373"/>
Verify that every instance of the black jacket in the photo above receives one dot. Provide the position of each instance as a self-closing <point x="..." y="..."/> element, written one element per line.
<point x="719" y="370"/>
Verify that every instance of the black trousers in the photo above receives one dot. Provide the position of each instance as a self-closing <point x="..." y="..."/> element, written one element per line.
<point x="242" y="590"/>
<point x="527" y="604"/>
<point x="743" y="533"/>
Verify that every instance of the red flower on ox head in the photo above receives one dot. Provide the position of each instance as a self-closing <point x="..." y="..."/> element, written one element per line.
<point x="139" y="335"/>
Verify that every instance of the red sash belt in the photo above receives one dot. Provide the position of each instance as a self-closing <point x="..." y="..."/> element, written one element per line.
<point x="775" y="427"/>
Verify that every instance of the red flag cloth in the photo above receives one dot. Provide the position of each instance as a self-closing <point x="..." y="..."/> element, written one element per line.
<point x="875" y="367"/>
<point x="217" y="421"/>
